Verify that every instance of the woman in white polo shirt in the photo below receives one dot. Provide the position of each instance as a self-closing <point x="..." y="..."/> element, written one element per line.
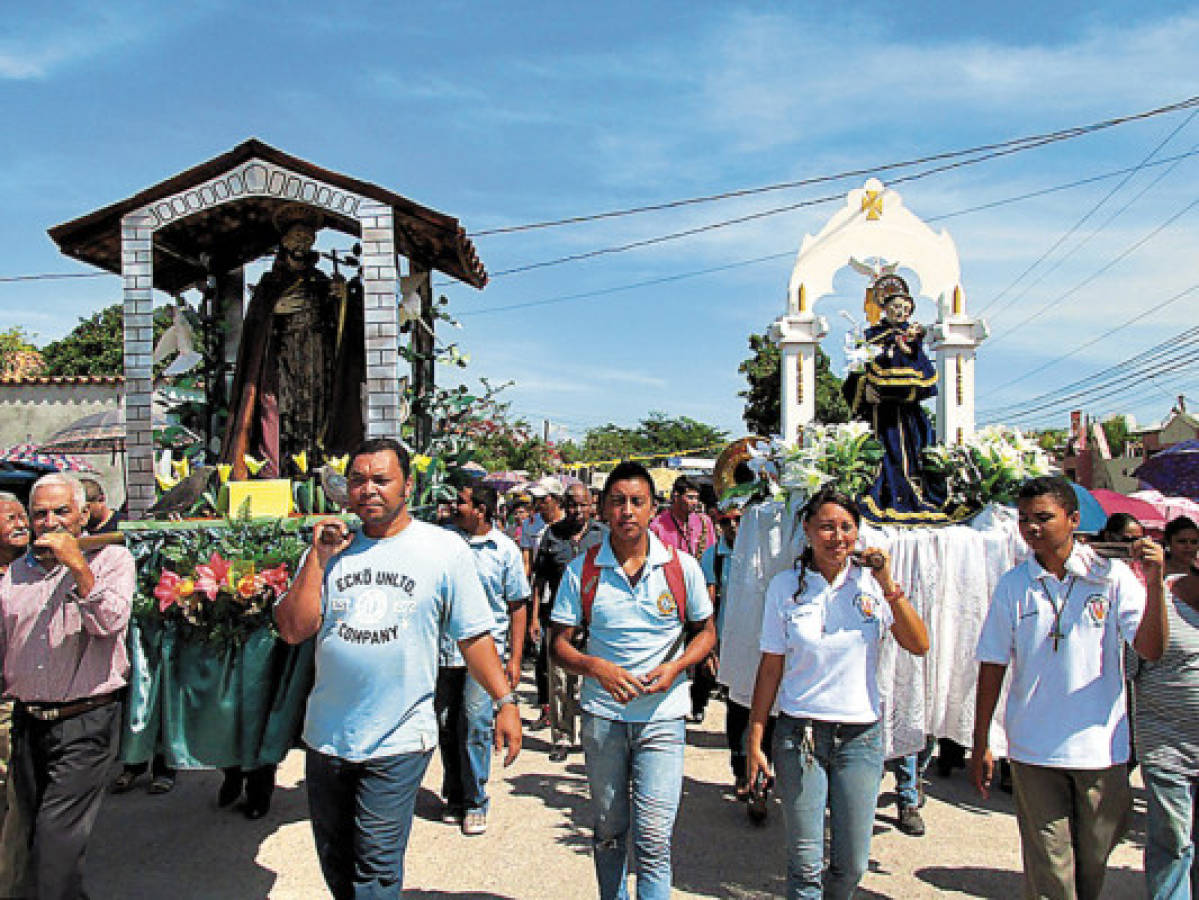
<point x="821" y="630"/>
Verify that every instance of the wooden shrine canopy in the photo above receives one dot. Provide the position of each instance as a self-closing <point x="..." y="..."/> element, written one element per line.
<point x="232" y="230"/>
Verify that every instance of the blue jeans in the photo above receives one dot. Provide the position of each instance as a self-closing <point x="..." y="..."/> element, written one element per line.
<point x="361" y="818"/>
<point x="1170" y="867"/>
<point x="643" y="760"/>
<point x="838" y="766"/>
<point x="466" y="730"/>
<point x="908" y="772"/>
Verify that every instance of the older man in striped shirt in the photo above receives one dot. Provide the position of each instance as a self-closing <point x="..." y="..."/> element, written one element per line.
<point x="63" y="617"/>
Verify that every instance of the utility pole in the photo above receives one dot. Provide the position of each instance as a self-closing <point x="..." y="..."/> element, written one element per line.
<point x="545" y="431"/>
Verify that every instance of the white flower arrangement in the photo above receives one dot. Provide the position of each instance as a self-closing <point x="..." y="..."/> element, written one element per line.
<point x="988" y="467"/>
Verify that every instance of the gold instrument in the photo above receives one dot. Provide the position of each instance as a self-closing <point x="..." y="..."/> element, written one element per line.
<point x="724" y="476"/>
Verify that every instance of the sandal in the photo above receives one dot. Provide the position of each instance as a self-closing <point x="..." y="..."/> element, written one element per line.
<point x="741" y="789"/>
<point x="124" y="782"/>
<point x="162" y="784"/>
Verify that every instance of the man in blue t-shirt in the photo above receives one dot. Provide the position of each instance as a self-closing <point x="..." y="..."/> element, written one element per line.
<point x="634" y="693"/>
<point x="376" y="603"/>
<point x="463" y="707"/>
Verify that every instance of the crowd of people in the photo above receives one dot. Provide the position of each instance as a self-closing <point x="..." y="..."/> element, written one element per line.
<point x="420" y="632"/>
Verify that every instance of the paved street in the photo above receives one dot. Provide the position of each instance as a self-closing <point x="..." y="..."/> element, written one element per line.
<point x="180" y="846"/>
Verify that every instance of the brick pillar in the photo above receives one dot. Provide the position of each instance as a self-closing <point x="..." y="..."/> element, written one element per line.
<point x="379" y="281"/>
<point x="137" y="270"/>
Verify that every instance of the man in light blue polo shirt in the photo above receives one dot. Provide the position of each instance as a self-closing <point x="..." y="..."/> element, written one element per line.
<point x="463" y="706"/>
<point x="377" y="602"/>
<point x="634" y="694"/>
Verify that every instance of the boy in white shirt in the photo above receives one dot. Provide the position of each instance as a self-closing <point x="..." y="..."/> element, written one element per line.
<point x="1058" y="621"/>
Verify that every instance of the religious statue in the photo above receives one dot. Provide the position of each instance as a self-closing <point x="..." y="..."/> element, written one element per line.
<point x="301" y="364"/>
<point x="887" y="393"/>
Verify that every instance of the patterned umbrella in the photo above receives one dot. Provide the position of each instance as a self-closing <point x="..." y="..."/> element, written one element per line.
<point x="1173" y="471"/>
<point x="32" y="455"/>
<point x="104" y="432"/>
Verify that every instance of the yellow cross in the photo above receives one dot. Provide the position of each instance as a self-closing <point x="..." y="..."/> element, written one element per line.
<point x="872" y="205"/>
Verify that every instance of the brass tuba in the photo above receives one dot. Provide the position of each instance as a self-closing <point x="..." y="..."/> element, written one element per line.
<point x="725" y="474"/>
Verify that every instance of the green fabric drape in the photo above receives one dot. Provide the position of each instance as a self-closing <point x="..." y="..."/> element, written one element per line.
<point x="211" y="706"/>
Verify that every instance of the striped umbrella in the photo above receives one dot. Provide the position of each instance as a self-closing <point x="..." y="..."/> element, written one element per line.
<point x="31" y="455"/>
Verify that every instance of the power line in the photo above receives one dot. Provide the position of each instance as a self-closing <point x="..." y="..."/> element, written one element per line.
<point x="1156" y="308"/>
<point x="1102" y="269"/>
<point x="1166" y="346"/>
<point x="1090" y="212"/>
<point x="679" y="276"/>
<point x="649" y="282"/>
<point x="1082" y="243"/>
<point x="53" y="276"/>
<point x="761" y="214"/>
<point x="1032" y="140"/>
<point x="1060" y="187"/>
<point x="1179" y="360"/>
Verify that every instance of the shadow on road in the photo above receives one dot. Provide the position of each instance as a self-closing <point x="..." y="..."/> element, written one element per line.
<point x="180" y="844"/>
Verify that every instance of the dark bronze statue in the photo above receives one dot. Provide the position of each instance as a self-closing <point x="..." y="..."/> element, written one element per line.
<point x="301" y="364"/>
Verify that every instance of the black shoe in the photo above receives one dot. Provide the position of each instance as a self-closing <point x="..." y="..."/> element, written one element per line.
<point x="230" y="791"/>
<point x="756" y="808"/>
<point x="559" y="753"/>
<point x="910" y="821"/>
<point x="256" y="807"/>
<point x="1005" y="776"/>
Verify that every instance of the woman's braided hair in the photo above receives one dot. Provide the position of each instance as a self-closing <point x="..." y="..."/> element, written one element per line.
<point x="820" y="498"/>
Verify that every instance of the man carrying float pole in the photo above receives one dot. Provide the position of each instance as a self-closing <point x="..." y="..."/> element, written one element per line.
<point x="377" y="602"/>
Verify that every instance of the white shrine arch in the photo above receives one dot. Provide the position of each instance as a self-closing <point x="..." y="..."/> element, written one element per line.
<point x="874" y="223"/>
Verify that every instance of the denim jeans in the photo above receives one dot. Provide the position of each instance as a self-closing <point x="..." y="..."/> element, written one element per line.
<point x="838" y="766"/>
<point x="642" y="761"/>
<point x="1170" y="866"/>
<point x="908" y="771"/>
<point x="361" y="818"/>
<point x="466" y="731"/>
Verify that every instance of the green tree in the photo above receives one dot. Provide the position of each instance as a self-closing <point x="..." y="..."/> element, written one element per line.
<point x="1115" y="430"/>
<point x="96" y="346"/>
<point x="763" y="397"/>
<point x="13" y="341"/>
<point x="656" y="433"/>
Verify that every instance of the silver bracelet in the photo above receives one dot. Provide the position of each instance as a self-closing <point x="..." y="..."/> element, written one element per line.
<point x="508" y="698"/>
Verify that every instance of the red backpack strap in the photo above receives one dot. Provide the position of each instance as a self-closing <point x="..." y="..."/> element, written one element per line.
<point x="677" y="584"/>
<point x="588" y="583"/>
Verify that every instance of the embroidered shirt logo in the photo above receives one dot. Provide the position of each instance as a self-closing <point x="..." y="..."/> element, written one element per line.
<point x="867" y="606"/>
<point x="1097" y="607"/>
<point x="666" y="604"/>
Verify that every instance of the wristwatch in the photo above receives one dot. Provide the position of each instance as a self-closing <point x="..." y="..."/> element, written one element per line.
<point x="508" y="698"/>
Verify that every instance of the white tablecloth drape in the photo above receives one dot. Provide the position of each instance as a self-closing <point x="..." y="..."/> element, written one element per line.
<point x="948" y="574"/>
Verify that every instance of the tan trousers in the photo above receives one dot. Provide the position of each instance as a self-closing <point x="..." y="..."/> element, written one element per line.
<point x="1070" y="821"/>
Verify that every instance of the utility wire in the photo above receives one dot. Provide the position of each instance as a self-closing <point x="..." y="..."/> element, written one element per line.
<point x="600" y="292"/>
<point x="761" y="214"/>
<point x="53" y="276"/>
<point x="1166" y="346"/>
<point x="1033" y="140"/>
<point x="1178" y="360"/>
<point x="679" y="276"/>
<point x="1101" y="270"/>
<point x="1090" y="212"/>
<point x="1137" y="389"/>
<point x="1045" y="273"/>
<point x="1156" y="308"/>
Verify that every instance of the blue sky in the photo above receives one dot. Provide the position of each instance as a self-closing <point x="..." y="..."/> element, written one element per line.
<point x="502" y="114"/>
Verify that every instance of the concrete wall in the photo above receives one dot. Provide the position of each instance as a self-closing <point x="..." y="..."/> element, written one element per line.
<point x="31" y="411"/>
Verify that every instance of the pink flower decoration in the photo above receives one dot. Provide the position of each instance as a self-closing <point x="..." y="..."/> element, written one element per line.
<point x="276" y="578"/>
<point x="167" y="590"/>
<point x="209" y="578"/>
